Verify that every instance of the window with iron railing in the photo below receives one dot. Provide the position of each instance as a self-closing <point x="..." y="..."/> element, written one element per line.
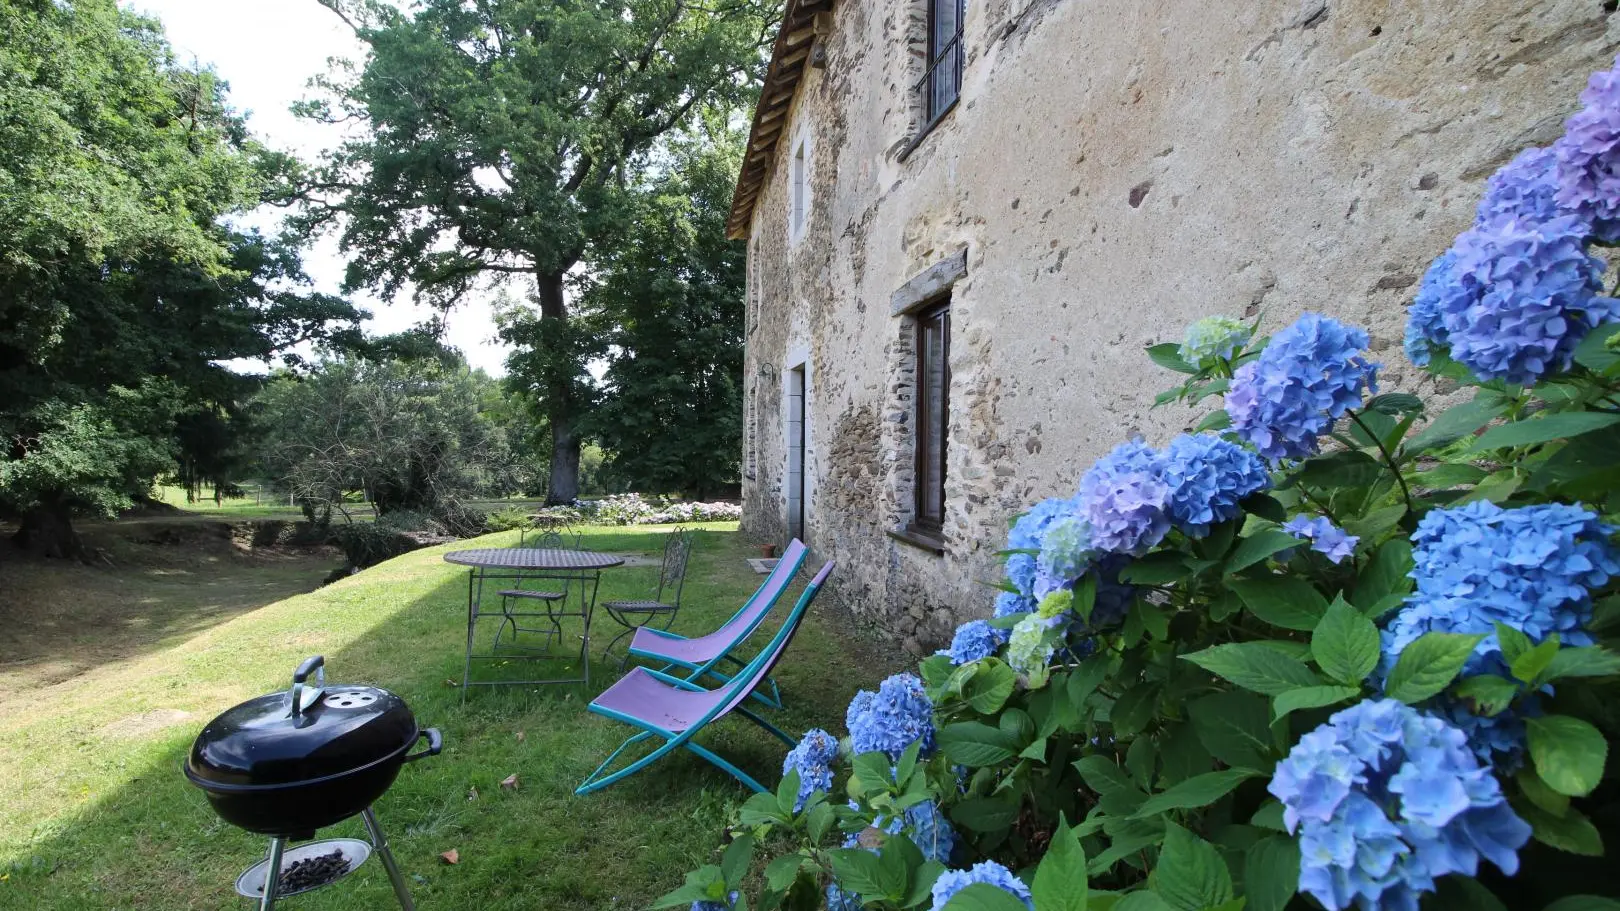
<point x="942" y="83"/>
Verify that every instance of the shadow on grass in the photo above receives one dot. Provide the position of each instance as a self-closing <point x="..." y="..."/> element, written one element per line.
<point x="151" y="841"/>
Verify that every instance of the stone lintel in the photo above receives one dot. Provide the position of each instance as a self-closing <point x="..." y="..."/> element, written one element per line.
<point x="929" y="284"/>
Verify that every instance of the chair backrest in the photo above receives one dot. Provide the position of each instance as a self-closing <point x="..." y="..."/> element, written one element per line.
<point x="762" y="664"/>
<point x="743" y="623"/>
<point x="557" y="535"/>
<point x="672" y="576"/>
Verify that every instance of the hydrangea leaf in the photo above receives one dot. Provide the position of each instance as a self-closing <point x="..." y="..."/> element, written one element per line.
<point x="1257" y="547"/>
<point x="984" y="897"/>
<point x="858" y="870"/>
<point x="1215" y="421"/>
<point x="1119" y="796"/>
<point x="1583" y="903"/>
<point x="1572" y="832"/>
<point x="1235" y="728"/>
<point x="1345" y="644"/>
<point x="1254" y="667"/>
<point x="1593" y="352"/>
<point x="1568" y="753"/>
<point x="974" y="744"/>
<point x="1134" y="709"/>
<point x="1060" y="882"/>
<point x="1543" y="429"/>
<point x="1288" y="602"/>
<point x="1270" y="873"/>
<point x="1395" y="403"/>
<point x="1197" y="791"/>
<point x="1488" y="693"/>
<point x="1582" y="662"/>
<point x="1583" y="468"/>
<point x="1346" y="469"/>
<point x="1538" y="793"/>
<point x="1531" y="664"/>
<point x="1159" y="568"/>
<point x="1269" y="816"/>
<point x="1264" y="506"/>
<point x="1387" y="573"/>
<point x="1311" y="697"/>
<point x="1127" y="837"/>
<point x="987" y="691"/>
<point x="1190" y="875"/>
<point x="1142" y="900"/>
<point x="1447" y="475"/>
<point x="1167" y="355"/>
<point x="1428" y="665"/>
<point x="1455" y="423"/>
<point x="922" y="885"/>
<point x="781" y="872"/>
<point x="1459" y="893"/>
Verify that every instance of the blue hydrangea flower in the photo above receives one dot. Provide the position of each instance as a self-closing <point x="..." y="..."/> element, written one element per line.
<point x="839" y="900"/>
<point x="1113" y="596"/>
<point x="953" y="881"/>
<point x="1588" y="170"/>
<point x="1531" y="568"/>
<point x="974" y="640"/>
<point x="730" y="902"/>
<point x="1425" y="325"/>
<point x="1208" y="476"/>
<point x="1213" y="339"/>
<point x="1524" y="188"/>
<point x="1325" y="537"/>
<point x="1385" y="800"/>
<point x="812" y="757"/>
<point x="1498" y="740"/>
<point x="1009" y="603"/>
<point x="1123" y="498"/>
<point x="1064" y="554"/>
<point x="892" y="718"/>
<point x="1028" y="534"/>
<point x="927" y="828"/>
<point x="1309" y="376"/>
<point x="1514" y="301"/>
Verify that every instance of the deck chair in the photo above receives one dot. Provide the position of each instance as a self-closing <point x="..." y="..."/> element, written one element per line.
<point x="676" y="709"/>
<point x="700" y="656"/>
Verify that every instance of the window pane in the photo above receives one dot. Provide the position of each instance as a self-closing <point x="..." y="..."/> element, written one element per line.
<point x="933" y="386"/>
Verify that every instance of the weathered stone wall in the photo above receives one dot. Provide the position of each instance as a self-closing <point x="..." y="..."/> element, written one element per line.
<point x="1116" y="169"/>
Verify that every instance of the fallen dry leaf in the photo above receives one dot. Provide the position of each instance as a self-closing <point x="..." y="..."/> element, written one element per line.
<point x="472" y="793"/>
<point x="449" y="682"/>
<point x="519" y="736"/>
<point x="510" y="782"/>
<point x="451" y="856"/>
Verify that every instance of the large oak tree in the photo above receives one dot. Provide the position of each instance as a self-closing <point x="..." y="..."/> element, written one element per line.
<point x="502" y="136"/>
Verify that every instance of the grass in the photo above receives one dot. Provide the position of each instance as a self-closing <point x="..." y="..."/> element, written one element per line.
<point x="97" y="815"/>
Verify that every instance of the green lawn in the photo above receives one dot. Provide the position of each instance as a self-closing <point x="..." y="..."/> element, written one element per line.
<point x="97" y="815"/>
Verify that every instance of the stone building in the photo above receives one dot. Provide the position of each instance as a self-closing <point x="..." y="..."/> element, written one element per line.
<point x="966" y="218"/>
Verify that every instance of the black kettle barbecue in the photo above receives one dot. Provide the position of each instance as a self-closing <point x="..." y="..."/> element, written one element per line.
<point x="286" y="764"/>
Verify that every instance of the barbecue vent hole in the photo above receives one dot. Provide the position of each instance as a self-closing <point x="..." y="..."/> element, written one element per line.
<point x="349" y="700"/>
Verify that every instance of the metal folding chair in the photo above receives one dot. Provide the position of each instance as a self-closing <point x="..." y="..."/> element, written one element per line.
<point x="665" y="602"/>
<point x="558" y="538"/>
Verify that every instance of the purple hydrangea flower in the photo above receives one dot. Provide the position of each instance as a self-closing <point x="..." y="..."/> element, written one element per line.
<point x="974" y="640"/>
<point x="953" y="881"/>
<point x="1123" y="498"/>
<point x="1308" y="377"/>
<point x="1325" y="537"/>
<point x="1208" y="476"/>
<point x="1531" y="568"/>
<point x="1213" y="339"/>
<point x="891" y="719"/>
<point x="1385" y="800"/>
<point x="1588" y="168"/>
<point x="812" y="757"/>
<point x="1524" y="188"/>
<point x="1028" y="534"/>
<point x="1514" y="300"/>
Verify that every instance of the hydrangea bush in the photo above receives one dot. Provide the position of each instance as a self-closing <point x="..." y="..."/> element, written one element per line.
<point x="1328" y="650"/>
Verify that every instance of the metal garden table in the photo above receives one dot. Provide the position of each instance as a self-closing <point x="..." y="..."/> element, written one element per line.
<point x="490" y="563"/>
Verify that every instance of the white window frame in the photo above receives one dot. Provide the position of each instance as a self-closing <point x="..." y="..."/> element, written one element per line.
<point x="800" y="193"/>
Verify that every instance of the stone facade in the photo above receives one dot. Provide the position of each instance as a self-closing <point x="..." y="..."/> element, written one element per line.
<point x="1114" y="170"/>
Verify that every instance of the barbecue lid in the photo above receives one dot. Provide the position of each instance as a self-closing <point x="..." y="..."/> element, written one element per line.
<point x="306" y="733"/>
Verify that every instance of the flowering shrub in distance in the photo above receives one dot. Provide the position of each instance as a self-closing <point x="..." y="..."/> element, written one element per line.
<point x="1330" y="650"/>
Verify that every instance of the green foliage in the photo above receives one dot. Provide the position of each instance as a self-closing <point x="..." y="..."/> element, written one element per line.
<point x="516" y="151"/>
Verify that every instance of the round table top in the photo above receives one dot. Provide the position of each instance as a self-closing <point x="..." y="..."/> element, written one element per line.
<point x="533" y="558"/>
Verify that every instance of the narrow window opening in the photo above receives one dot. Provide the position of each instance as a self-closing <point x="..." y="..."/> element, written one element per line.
<point x="932" y="396"/>
<point x="942" y="84"/>
<point x="800" y="192"/>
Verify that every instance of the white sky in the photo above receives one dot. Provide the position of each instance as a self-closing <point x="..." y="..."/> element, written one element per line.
<point x="267" y="50"/>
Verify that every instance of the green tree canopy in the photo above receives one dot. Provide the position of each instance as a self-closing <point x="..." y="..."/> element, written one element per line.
<point x="121" y="290"/>
<point x="503" y="135"/>
<point x="670" y="414"/>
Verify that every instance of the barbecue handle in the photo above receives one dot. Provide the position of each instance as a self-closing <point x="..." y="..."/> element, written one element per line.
<point x="310" y="666"/>
<point x="435" y="744"/>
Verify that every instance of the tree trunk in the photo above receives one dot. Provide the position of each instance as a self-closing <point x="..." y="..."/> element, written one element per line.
<point x="563" y="488"/>
<point x="47" y="531"/>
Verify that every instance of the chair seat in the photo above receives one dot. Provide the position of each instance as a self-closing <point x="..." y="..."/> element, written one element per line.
<point x="525" y="593"/>
<point x="655" y="643"/>
<point x="639" y="607"/>
<point x="642" y="696"/>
